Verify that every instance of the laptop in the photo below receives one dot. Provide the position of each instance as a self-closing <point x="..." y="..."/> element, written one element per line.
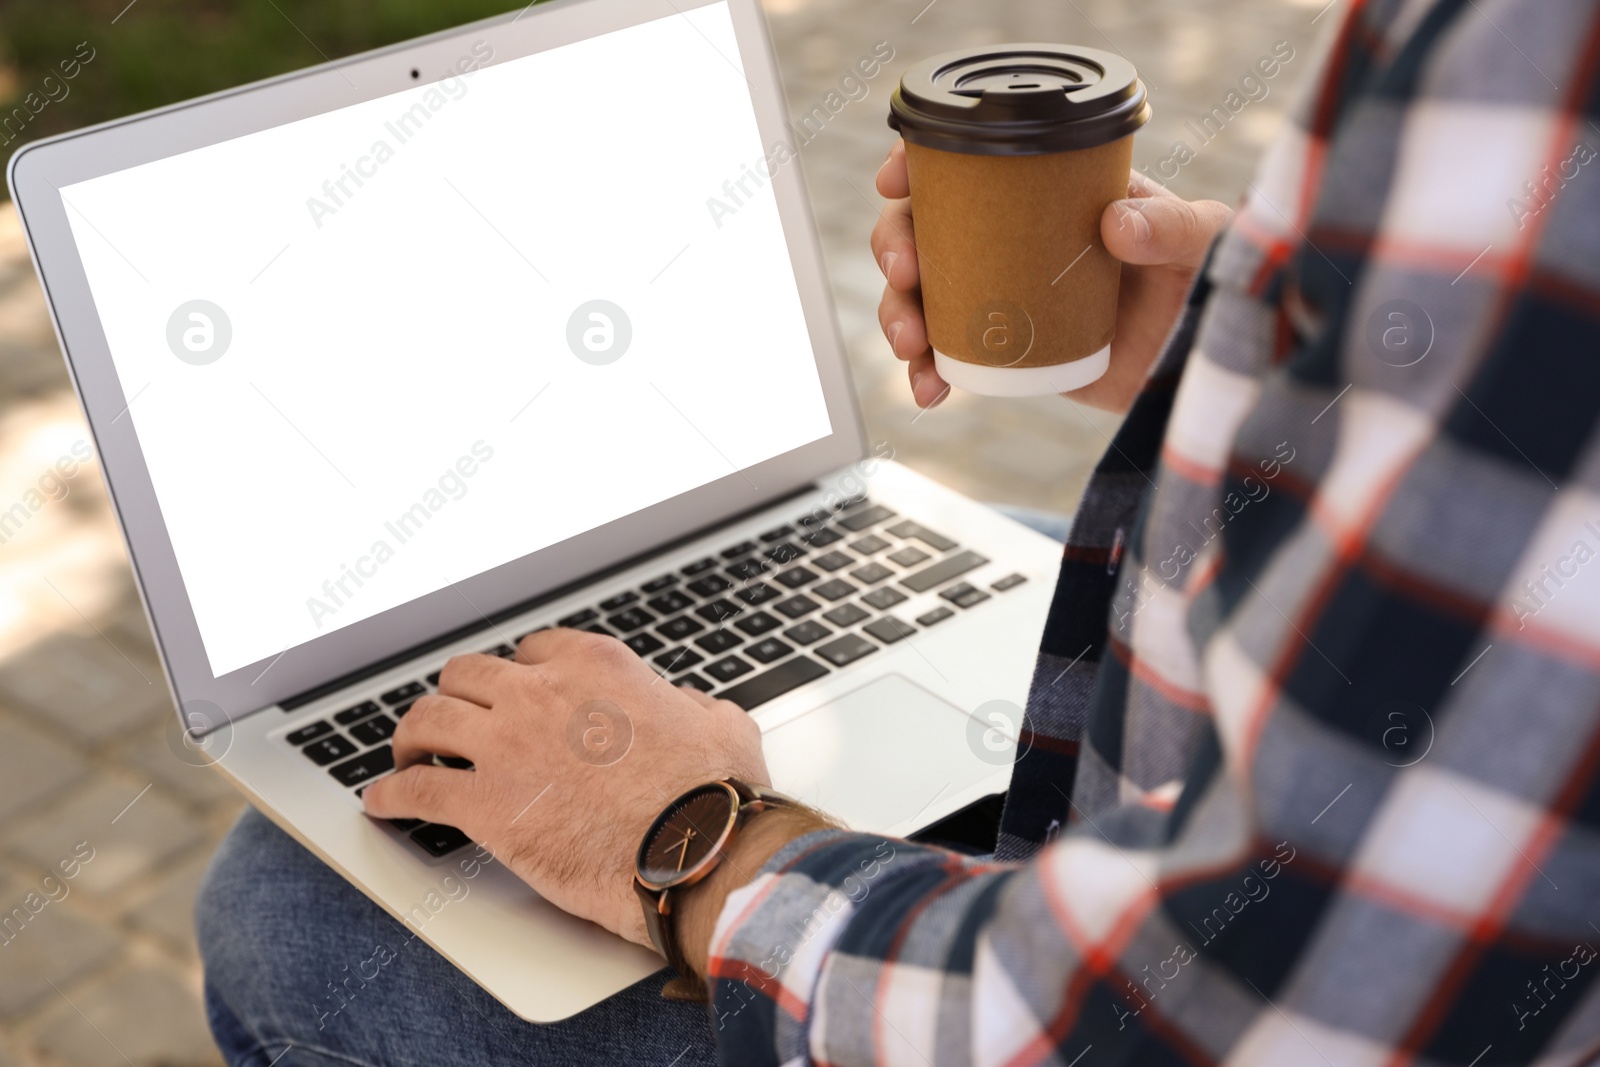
<point x="415" y="353"/>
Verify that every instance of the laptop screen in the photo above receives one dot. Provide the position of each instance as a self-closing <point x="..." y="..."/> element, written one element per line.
<point x="374" y="352"/>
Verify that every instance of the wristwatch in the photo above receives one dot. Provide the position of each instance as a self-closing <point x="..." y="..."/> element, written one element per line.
<point x="683" y="846"/>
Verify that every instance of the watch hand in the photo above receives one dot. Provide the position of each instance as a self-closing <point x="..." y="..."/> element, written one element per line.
<point x="683" y="847"/>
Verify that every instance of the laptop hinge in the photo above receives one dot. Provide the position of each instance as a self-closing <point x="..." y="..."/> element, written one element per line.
<point x="388" y="663"/>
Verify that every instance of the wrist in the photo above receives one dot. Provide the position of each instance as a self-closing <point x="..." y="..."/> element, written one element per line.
<point x="698" y="906"/>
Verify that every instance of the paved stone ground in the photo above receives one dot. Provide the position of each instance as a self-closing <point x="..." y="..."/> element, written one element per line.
<point x="107" y="974"/>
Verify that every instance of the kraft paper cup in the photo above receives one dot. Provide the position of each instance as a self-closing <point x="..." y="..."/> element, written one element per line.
<point x="1014" y="153"/>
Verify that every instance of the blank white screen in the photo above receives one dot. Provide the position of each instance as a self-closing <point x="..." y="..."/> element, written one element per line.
<point x="423" y="321"/>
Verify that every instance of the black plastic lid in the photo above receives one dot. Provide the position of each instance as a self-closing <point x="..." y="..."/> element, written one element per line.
<point x="1019" y="100"/>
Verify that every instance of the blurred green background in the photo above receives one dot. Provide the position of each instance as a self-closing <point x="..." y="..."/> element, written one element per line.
<point x="177" y="49"/>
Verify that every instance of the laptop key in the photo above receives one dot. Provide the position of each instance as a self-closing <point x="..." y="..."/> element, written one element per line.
<point x="872" y="574"/>
<point x="324" y="751"/>
<point x="503" y="651"/>
<point x="777" y="535"/>
<point x="655" y="585"/>
<point x="670" y="603"/>
<point x="807" y="633"/>
<point x="579" y="619"/>
<point x="678" y="659"/>
<point x="768" y="651"/>
<point x="822" y="538"/>
<point x="759" y="623"/>
<point x="758" y="593"/>
<point x="769" y="685"/>
<point x="399" y="710"/>
<point x="710" y="585"/>
<point x="743" y="548"/>
<point x="1010" y="581"/>
<point x="404" y="825"/>
<point x="885" y="598"/>
<point x="861" y="519"/>
<point x="869" y="545"/>
<point x="964" y="595"/>
<point x="837" y="589"/>
<point x="787" y="552"/>
<point x="937" y="615"/>
<point x="909" y="556"/>
<point x="796" y="607"/>
<point x="630" y="620"/>
<point x="644" y="644"/>
<point x="747" y="569"/>
<point x="373" y="731"/>
<point x="718" y="641"/>
<point x="846" y="649"/>
<point x="439" y="840"/>
<point x="409" y="691"/>
<point x="943" y="571"/>
<point x="680" y="628"/>
<point x="364" y="767"/>
<point x="433" y="679"/>
<point x="693" y="679"/>
<point x="915" y="530"/>
<point x="846" y="615"/>
<point x="718" y="611"/>
<point x="833" y="561"/>
<point x="699" y="567"/>
<point x="308" y="733"/>
<point x="596" y="628"/>
<point x="728" y="668"/>
<point x="889" y="629"/>
<point x="621" y="600"/>
<point x="795" y="577"/>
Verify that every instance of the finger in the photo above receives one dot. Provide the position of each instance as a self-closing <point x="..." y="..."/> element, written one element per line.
<point x="436" y="794"/>
<point x="900" y="315"/>
<point x="894" y="246"/>
<point x="546" y="645"/>
<point x="894" y="181"/>
<point x="1161" y="230"/>
<point x="1143" y="185"/>
<point x="440" y="725"/>
<point x="474" y="677"/>
<point x="927" y="388"/>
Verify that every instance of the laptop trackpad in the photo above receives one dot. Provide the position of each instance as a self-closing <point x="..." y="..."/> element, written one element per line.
<point x="875" y="757"/>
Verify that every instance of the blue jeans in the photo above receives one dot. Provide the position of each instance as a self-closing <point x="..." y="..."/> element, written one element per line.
<point x="280" y="932"/>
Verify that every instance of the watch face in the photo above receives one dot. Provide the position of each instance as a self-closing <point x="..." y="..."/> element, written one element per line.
<point x="687" y="834"/>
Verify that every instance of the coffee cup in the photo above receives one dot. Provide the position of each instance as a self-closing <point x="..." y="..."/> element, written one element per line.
<point x="1014" y="152"/>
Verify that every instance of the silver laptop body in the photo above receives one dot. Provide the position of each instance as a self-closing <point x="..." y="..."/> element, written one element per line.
<point x="519" y="325"/>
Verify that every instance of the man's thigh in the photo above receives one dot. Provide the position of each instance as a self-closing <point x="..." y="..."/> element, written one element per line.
<point x="297" y="958"/>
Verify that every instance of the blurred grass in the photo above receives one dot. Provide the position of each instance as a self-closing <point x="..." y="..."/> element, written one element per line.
<point x="158" y="52"/>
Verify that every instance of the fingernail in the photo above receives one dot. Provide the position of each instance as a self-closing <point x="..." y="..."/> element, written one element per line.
<point x="916" y="380"/>
<point x="888" y="262"/>
<point x="894" y="332"/>
<point x="1140" y="224"/>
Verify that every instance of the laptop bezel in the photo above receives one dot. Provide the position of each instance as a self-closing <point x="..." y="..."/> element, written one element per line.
<point x="38" y="170"/>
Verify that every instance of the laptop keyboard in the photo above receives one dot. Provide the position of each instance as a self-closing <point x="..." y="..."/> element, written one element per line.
<point x="748" y="624"/>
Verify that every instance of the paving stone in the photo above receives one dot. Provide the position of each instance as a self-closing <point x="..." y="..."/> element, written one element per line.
<point x="55" y="945"/>
<point x="86" y="686"/>
<point x="167" y="909"/>
<point x="142" y="1016"/>
<point x="34" y="768"/>
<point x="144" y="835"/>
<point x="147" y="754"/>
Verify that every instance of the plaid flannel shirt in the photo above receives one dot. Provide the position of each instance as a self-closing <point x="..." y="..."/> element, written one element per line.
<point x="1310" y="769"/>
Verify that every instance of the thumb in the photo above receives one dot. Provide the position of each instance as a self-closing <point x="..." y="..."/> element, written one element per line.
<point x="1162" y="230"/>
